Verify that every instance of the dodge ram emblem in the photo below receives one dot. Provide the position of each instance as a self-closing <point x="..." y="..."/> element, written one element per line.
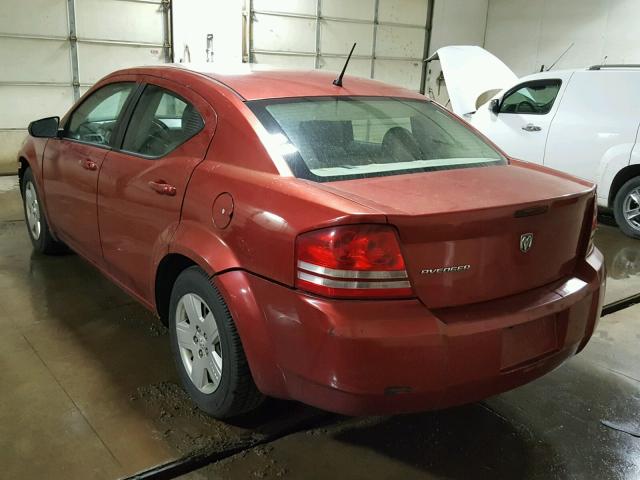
<point x="526" y="242"/>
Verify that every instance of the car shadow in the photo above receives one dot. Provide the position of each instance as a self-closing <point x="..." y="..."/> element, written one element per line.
<point x="471" y="441"/>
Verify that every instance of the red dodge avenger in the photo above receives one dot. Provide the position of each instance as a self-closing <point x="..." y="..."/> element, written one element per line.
<point x="350" y="245"/>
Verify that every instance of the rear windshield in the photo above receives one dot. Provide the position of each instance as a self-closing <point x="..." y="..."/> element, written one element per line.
<point x="337" y="138"/>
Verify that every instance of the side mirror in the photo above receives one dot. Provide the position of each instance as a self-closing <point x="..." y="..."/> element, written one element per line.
<point x="45" y="127"/>
<point x="494" y="105"/>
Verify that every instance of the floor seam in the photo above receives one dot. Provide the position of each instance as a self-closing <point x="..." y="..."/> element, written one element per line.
<point x="623" y="374"/>
<point x="73" y="402"/>
<point x="617" y="372"/>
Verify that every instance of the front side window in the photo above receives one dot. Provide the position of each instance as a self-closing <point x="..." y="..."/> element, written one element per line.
<point x="95" y="119"/>
<point x="161" y="122"/>
<point x="356" y="137"/>
<point x="532" y="98"/>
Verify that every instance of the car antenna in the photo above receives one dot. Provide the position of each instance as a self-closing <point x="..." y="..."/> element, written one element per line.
<point x="338" y="81"/>
<point x="562" y="55"/>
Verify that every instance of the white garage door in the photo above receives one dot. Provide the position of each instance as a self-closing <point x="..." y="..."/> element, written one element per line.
<point x="390" y="34"/>
<point x="54" y="50"/>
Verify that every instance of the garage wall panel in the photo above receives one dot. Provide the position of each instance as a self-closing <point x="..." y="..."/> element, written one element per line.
<point x="621" y="44"/>
<point x="10" y="142"/>
<point x="386" y="31"/>
<point x="271" y="32"/>
<point x="120" y="20"/>
<point x="400" y="42"/>
<point x="356" y="9"/>
<point x="514" y="19"/>
<point x="30" y="60"/>
<point x="37" y="17"/>
<point x="294" y="62"/>
<point x="93" y="67"/>
<point x="338" y="38"/>
<point x="463" y="22"/>
<point x="357" y="67"/>
<point x="526" y="35"/>
<point x="37" y="76"/>
<point x="22" y="104"/>
<point x="412" y="12"/>
<point x="304" y="7"/>
<point x="402" y="73"/>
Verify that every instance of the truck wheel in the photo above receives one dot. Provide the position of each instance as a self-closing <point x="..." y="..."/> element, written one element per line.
<point x="39" y="233"/>
<point x="207" y="350"/>
<point x="626" y="208"/>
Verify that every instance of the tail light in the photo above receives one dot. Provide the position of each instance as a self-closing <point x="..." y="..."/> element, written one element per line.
<point x="353" y="261"/>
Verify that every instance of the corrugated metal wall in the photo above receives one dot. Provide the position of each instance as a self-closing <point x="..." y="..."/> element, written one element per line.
<point x="52" y="51"/>
<point x="390" y="34"/>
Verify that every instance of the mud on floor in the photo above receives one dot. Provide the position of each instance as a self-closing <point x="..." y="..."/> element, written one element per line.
<point x="186" y="428"/>
<point x="193" y="433"/>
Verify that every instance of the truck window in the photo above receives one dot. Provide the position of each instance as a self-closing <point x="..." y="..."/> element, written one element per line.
<point x="533" y="98"/>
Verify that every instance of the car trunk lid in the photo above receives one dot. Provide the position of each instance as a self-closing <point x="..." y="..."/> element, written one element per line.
<point x="476" y="234"/>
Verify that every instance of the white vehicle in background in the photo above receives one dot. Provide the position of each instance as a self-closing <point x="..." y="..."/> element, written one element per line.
<point x="584" y="122"/>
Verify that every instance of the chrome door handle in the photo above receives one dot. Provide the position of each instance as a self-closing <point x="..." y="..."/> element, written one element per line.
<point x="530" y="127"/>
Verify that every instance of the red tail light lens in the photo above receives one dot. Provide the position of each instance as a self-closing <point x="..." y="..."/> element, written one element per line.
<point x="354" y="261"/>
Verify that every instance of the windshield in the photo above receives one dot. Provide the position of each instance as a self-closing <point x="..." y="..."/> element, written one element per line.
<point x="338" y="138"/>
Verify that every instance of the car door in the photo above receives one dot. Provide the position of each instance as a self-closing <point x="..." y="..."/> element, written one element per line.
<point x="143" y="180"/>
<point x="521" y="125"/>
<point x="72" y="163"/>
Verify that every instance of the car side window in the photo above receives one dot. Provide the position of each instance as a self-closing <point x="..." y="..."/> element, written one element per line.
<point x="161" y="122"/>
<point x="533" y="98"/>
<point x="95" y="119"/>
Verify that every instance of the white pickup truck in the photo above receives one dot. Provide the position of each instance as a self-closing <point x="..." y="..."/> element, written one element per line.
<point x="584" y="121"/>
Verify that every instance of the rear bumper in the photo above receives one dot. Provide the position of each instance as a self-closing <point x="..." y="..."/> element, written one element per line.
<point x="366" y="357"/>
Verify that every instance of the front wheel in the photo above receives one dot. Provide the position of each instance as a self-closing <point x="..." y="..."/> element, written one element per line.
<point x="37" y="225"/>
<point x="626" y="208"/>
<point x="207" y="350"/>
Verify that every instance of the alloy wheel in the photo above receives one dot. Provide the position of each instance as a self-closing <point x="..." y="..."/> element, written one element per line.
<point x="199" y="343"/>
<point x="631" y="208"/>
<point x="32" y="210"/>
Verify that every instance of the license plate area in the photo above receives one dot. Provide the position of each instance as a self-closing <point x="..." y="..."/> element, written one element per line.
<point x="527" y="342"/>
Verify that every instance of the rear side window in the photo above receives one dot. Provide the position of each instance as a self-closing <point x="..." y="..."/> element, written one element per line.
<point x="161" y="122"/>
<point x="534" y="98"/>
<point x="95" y="119"/>
<point x="335" y="138"/>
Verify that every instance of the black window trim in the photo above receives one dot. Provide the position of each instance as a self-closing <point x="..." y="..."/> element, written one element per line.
<point x="119" y="120"/>
<point x="531" y="83"/>
<point x="130" y="110"/>
<point x="298" y="166"/>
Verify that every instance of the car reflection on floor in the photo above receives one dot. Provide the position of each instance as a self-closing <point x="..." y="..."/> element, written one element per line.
<point x="622" y="259"/>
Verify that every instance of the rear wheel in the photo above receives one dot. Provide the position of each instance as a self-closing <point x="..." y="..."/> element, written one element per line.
<point x="626" y="208"/>
<point x="37" y="225"/>
<point x="207" y="349"/>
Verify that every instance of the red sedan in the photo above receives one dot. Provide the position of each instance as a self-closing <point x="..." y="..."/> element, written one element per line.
<point x="354" y="247"/>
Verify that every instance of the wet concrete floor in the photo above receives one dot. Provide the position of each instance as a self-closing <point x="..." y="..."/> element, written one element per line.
<point x="87" y="390"/>
<point x="87" y="386"/>
<point x="582" y="421"/>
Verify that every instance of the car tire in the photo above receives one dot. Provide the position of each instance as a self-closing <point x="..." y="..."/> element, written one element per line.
<point x="626" y="201"/>
<point x="207" y="349"/>
<point x="37" y="225"/>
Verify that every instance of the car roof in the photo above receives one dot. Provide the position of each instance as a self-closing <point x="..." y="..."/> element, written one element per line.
<point x="253" y="82"/>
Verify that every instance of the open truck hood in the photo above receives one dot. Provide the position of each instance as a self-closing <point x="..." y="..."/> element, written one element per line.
<point x="469" y="73"/>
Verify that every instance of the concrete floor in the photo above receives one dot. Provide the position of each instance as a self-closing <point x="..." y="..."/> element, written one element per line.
<point x="87" y="390"/>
